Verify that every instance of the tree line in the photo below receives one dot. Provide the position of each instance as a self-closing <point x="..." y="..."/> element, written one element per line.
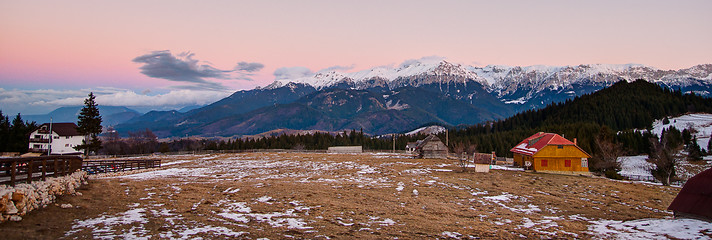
<point x="15" y="134"/>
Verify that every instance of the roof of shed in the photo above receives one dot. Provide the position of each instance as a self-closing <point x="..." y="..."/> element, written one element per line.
<point x="696" y="196"/>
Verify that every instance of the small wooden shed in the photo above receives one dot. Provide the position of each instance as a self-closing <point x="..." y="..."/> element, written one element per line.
<point x="431" y="147"/>
<point x="345" y="149"/>
<point x="695" y="198"/>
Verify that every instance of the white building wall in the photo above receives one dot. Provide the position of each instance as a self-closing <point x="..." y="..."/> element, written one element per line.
<point x="60" y="144"/>
<point x="65" y="144"/>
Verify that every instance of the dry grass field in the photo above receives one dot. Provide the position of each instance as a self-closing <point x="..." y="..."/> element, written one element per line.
<point x="326" y="196"/>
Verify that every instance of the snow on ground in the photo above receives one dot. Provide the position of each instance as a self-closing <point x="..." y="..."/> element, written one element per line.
<point x="636" y="167"/>
<point x="435" y="129"/>
<point x="652" y="229"/>
<point x="293" y="214"/>
<point x="701" y="122"/>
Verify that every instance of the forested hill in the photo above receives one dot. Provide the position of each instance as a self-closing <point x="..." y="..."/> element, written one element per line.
<point x="621" y="107"/>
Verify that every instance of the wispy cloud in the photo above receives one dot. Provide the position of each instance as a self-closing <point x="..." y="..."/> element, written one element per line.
<point x="184" y="68"/>
<point x="249" y="67"/>
<point x="292" y="73"/>
<point x="338" y="68"/>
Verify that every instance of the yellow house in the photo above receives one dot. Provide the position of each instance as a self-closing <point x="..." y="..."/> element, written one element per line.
<point x="549" y="152"/>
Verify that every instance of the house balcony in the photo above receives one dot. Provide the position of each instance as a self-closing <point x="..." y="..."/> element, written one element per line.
<point x="39" y="140"/>
<point x="37" y="150"/>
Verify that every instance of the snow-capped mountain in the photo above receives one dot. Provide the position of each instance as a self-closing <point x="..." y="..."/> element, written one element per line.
<point x="530" y="87"/>
<point x="391" y="76"/>
<point x="391" y="99"/>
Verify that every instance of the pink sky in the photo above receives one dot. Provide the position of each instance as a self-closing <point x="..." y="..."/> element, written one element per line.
<point x="91" y="44"/>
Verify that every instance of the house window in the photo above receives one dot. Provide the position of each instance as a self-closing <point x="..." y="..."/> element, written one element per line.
<point x="567" y="163"/>
<point x="544" y="163"/>
<point x="67" y="137"/>
<point x="56" y="137"/>
<point x="560" y="146"/>
<point x="584" y="162"/>
<point x="66" y="145"/>
<point x="37" y="146"/>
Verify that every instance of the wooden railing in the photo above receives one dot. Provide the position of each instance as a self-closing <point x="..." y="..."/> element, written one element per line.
<point x="27" y="169"/>
<point x="119" y="165"/>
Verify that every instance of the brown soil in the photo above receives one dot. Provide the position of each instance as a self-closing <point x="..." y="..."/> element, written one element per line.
<point x="339" y="196"/>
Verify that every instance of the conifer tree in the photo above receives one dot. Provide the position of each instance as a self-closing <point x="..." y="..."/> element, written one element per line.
<point x="89" y="125"/>
<point x="709" y="145"/>
<point x="694" y="153"/>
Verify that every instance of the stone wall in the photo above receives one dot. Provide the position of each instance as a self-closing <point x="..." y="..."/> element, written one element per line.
<point x="17" y="201"/>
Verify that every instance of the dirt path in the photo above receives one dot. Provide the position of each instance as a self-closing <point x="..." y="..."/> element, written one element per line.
<point x="280" y="195"/>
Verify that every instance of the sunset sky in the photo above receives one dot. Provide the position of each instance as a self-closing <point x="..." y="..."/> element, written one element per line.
<point x="52" y="53"/>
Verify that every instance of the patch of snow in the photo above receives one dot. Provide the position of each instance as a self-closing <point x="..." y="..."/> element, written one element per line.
<point x="702" y="122"/>
<point x="635" y="167"/>
<point x="400" y="186"/>
<point x="264" y="199"/>
<point x="652" y="229"/>
<point x="451" y="234"/>
<point x="434" y="129"/>
<point x="498" y="167"/>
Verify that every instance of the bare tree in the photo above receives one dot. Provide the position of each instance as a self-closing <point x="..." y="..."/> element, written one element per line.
<point x="459" y="148"/>
<point x="608" y="154"/>
<point x="299" y="147"/>
<point x="665" y="155"/>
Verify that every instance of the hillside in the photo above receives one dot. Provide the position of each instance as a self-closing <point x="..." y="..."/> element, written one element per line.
<point x="620" y="107"/>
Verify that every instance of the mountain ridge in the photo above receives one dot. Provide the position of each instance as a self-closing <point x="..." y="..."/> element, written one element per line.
<point x="437" y="92"/>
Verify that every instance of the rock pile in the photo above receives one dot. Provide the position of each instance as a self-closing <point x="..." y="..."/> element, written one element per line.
<point x="23" y="198"/>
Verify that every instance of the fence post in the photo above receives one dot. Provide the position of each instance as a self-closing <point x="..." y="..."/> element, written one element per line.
<point x="13" y="170"/>
<point x="29" y="171"/>
<point x="44" y="169"/>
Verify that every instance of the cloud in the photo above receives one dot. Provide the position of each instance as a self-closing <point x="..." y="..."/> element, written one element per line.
<point x="337" y="68"/>
<point x="249" y="67"/>
<point x="425" y="60"/>
<point x="292" y="73"/>
<point x="44" y="101"/>
<point x="184" y="68"/>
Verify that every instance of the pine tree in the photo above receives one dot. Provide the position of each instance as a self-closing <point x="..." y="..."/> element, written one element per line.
<point x="694" y="153"/>
<point x="709" y="145"/>
<point x="89" y="125"/>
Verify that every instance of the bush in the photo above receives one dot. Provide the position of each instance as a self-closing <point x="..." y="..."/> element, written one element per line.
<point x="612" y="174"/>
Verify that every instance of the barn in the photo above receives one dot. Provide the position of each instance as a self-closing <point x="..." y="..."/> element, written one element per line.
<point x="551" y="153"/>
<point x="431" y="147"/>
<point x="695" y="198"/>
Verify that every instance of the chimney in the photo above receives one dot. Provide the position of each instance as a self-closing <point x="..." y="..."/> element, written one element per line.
<point x="575" y="142"/>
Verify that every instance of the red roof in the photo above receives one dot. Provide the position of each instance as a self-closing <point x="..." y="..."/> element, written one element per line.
<point x="696" y="196"/>
<point x="536" y="142"/>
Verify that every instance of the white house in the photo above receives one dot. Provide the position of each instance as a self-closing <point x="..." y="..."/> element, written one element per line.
<point x="64" y="137"/>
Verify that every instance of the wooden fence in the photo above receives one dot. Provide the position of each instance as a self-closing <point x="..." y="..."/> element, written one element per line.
<point x="119" y="165"/>
<point x="27" y="169"/>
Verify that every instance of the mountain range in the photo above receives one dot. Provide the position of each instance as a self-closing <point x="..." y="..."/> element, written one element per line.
<point x="397" y="99"/>
<point x="111" y="115"/>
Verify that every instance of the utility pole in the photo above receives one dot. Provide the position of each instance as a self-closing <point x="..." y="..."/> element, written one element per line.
<point x="394" y="143"/>
<point x="447" y="138"/>
<point x="49" y="148"/>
